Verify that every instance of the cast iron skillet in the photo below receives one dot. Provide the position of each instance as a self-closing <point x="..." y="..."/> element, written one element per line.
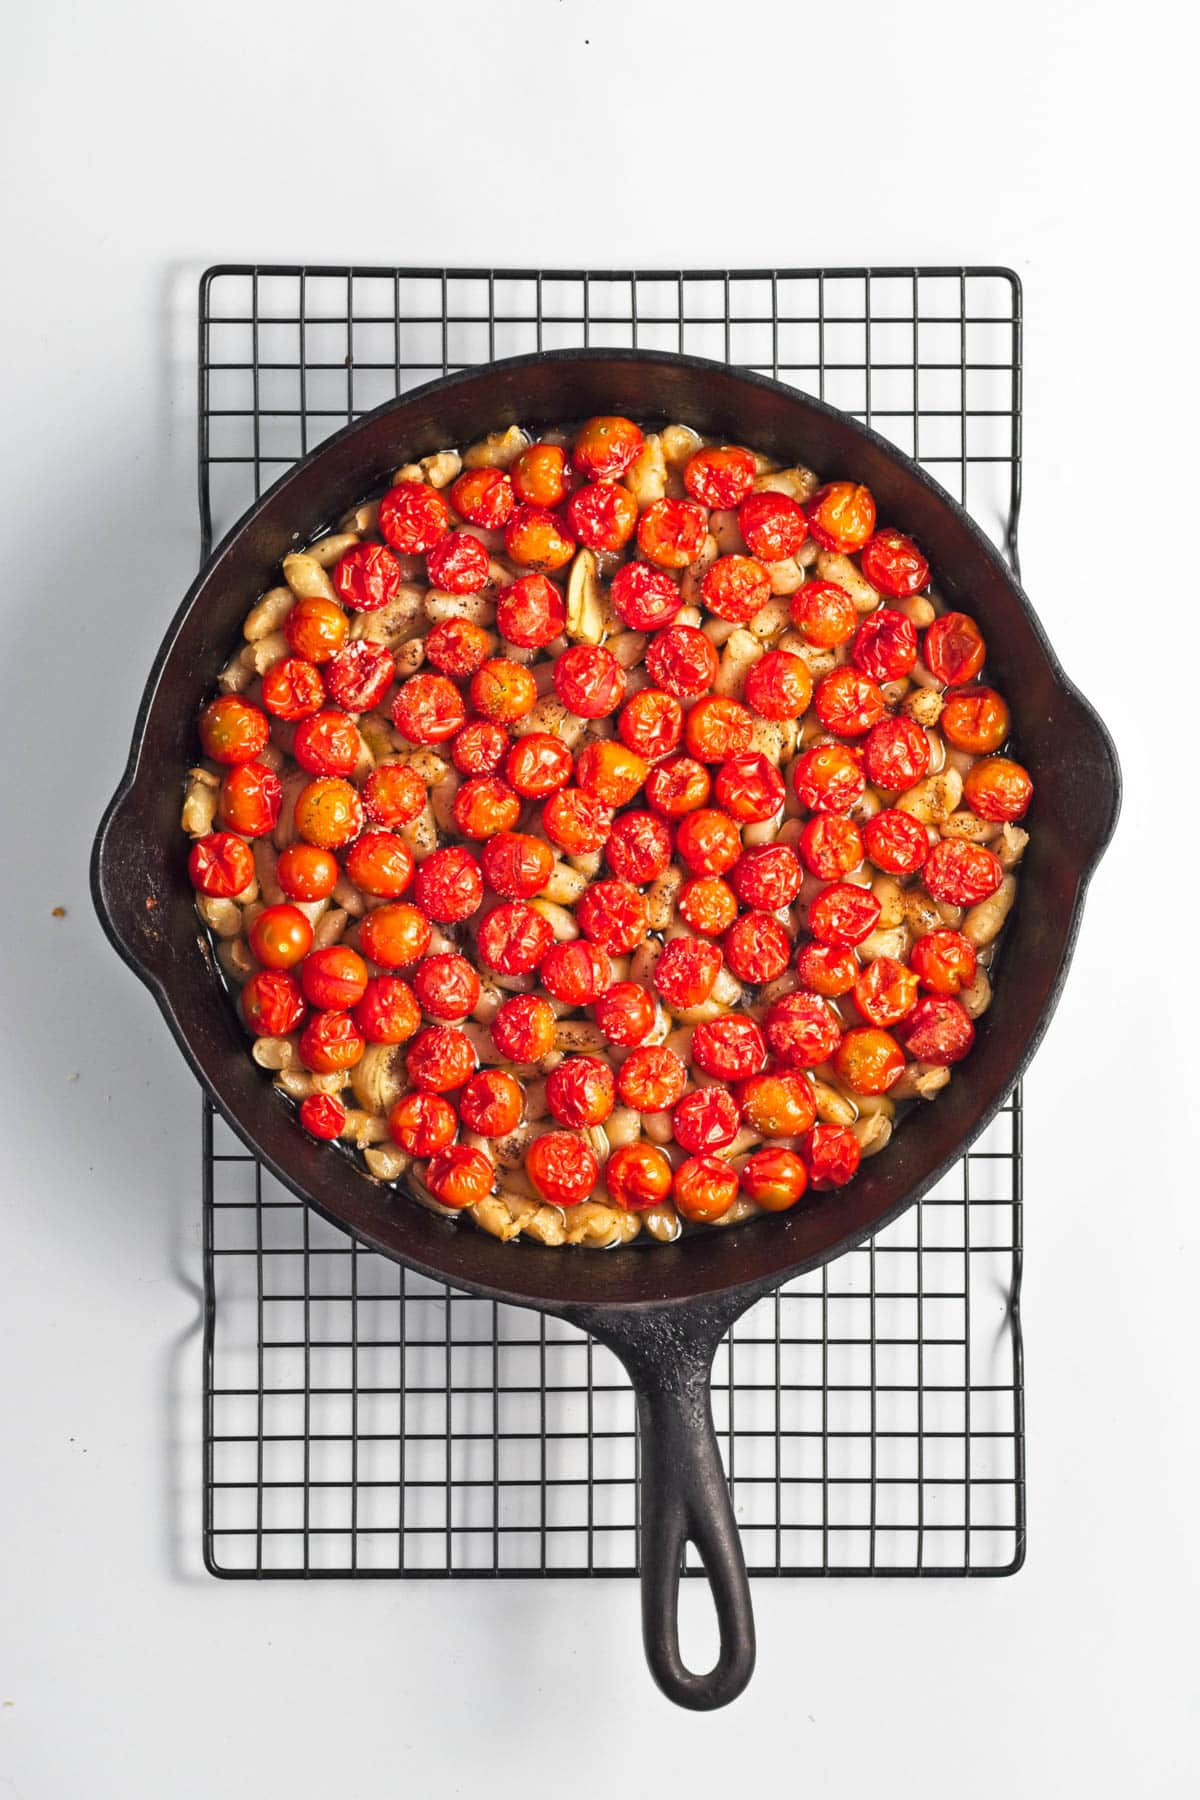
<point x="662" y="1310"/>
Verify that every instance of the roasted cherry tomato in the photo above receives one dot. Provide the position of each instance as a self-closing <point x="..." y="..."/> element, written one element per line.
<point x="329" y="744"/>
<point x="639" y="847"/>
<point x="413" y="517"/>
<point x="449" y="884"/>
<point x="644" y="597"/>
<point x="848" y="702"/>
<point x="774" y="1178"/>
<point x="686" y="970"/>
<point x="280" y="936"/>
<point x="778" y="1103"/>
<point x="707" y="841"/>
<point x="323" y="1116"/>
<point x="975" y="719"/>
<point x="954" y="649"/>
<point x="779" y="686"/>
<point x="841" y="516"/>
<point x="221" y="865"/>
<point x="316" y="628"/>
<point x="998" y="789"/>
<point x="638" y="1177"/>
<point x="828" y="778"/>
<point x="577" y="822"/>
<point x="705" y="1189"/>
<point x="767" y="877"/>
<point x="491" y="1103"/>
<point x="757" y="948"/>
<point x="538" y="765"/>
<point x="360" y="675"/>
<point x="232" y="731"/>
<point x="484" y="497"/>
<point x="938" y="1030"/>
<point x="530" y="613"/>
<point x="651" y="723"/>
<point x="422" y="1124"/>
<point x="706" y="1119"/>
<point x="885" y="991"/>
<point x="801" y="1030"/>
<point x="843" y="915"/>
<point x="671" y="533"/>
<point x="750" y="788"/>
<point x="395" y="935"/>
<point x="514" y="938"/>
<point x="944" y="961"/>
<point x="562" y="1168"/>
<point x="717" y="728"/>
<point x="604" y="448"/>
<point x="961" y="874"/>
<point x="708" y="904"/>
<point x="677" y="786"/>
<point x="721" y="478"/>
<point x="896" y="842"/>
<point x="535" y="539"/>
<point x="503" y="690"/>
<point x="328" y="812"/>
<point x="589" y="681"/>
<point x="334" y="977"/>
<point x="735" y="588"/>
<point x="613" y="915"/>
<point x="540" y="475"/>
<point x="272" y="1003"/>
<point x="523" y="1030"/>
<point x="484" y="806"/>
<point x="249" y="799"/>
<point x="292" y="688"/>
<point x="331" y="1042"/>
<point x="428" y="709"/>
<point x="682" y="660"/>
<point x="304" y="872"/>
<point x="446" y="986"/>
<point x="367" y="577"/>
<point x="581" y="1092"/>
<point x="479" y="748"/>
<point x="380" y="864"/>
<point x="388" y="1012"/>
<point x="440" y="1059"/>
<point x="729" y="1049"/>
<point x="885" y="645"/>
<point x="457" y="647"/>
<point x="896" y="754"/>
<point x="602" y="516"/>
<point x="458" y="563"/>
<point x="610" y="772"/>
<point x="459" y="1176"/>
<point x="825" y="613"/>
<point x="824" y="969"/>
<point x="625" y="1014"/>
<point x="831" y="1156"/>
<point x="830" y="846"/>
<point x="773" y="525"/>
<point x="651" y="1079"/>
<point x="892" y="563"/>
<point x="576" y="973"/>
<point x="516" y="865"/>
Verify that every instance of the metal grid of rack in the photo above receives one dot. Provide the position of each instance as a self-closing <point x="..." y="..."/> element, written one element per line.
<point x="362" y="1420"/>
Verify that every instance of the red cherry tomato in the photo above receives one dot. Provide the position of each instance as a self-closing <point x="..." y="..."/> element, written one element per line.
<point x="706" y="1119"/>
<point x="562" y="1168"/>
<point x="998" y="789"/>
<point x="531" y="613"/>
<point x="395" y="935"/>
<point x="428" y="709"/>
<point x="449" y="884"/>
<point x="944" y="962"/>
<point x="446" y="987"/>
<point x="831" y="1156"/>
<point x="484" y="497"/>
<point x="885" y="992"/>
<point x="535" y="539"/>
<point x="638" y="847"/>
<point x="393" y="795"/>
<point x="847" y="702"/>
<point x="576" y="973"/>
<point x="334" y="977"/>
<point x="651" y="723"/>
<point x="721" y="477"/>
<point x="292" y="688"/>
<point x="644" y="597"/>
<point x="896" y="754"/>
<point x="717" y="728"/>
<point x="485" y="806"/>
<point x="843" y="915"/>
<point x="523" y="1030"/>
<point x="767" y="877"/>
<point x="220" y="865"/>
<point x="322" y="1116"/>
<point x="602" y="516"/>
<point x="280" y="936"/>
<point x="610" y="772"/>
<point x="440" y="1059"/>
<point x="686" y="970"/>
<point x="316" y="629"/>
<point x="773" y="525"/>
<point x="954" y="649"/>
<point x="367" y="577"/>
<point x="328" y="812"/>
<point x="961" y="874"/>
<point x="824" y="969"/>
<point x="613" y="915"/>
<point x="774" y="1178"/>
<point x="779" y="686"/>
<point x="828" y="778"/>
<point x="750" y="788"/>
<point x="479" y="748"/>
<point x="360" y="675"/>
<point x="459" y="1176"/>
<point x="604" y="448"/>
<point x="589" y="681"/>
<point x="540" y="475"/>
<point x="625" y="1014"/>
<point x="651" y="1079"/>
<point x="682" y="660"/>
<point x="885" y="645"/>
<point x="422" y="1124"/>
<point x="938" y="1030"/>
<point x="492" y="1103"/>
<point x="458" y="563"/>
<point x="707" y="841"/>
<point x="457" y="647"/>
<point x="896" y="842"/>
<point x="538" y="765"/>
<point x="708" y="904"/>
<point x="638" y="1177"/>
<point x="705" y="1189"/>
<point x="413" y="517"/>
<point x="757" y="948"/>
<point x="975" y="719"/>
<point x="830" y="846"/>
<point x="841" y="516"/>
<point x="778" y="1103"/>
<point x="892" y="563"/>
<point x="232" y="731"/>
<point x="677" y="786"/>
<point x="578" y="823"/>
<point x="581" y="1092"/>
<point x="735" y="588"/>
<point x="380" y="864"/>
<point x="331" y="1042"/>
<point x="249" y="799"/>
<point x="801" y="1030"/>
<point x="516" y="865"/>
<point x="503" y="690"/>
<point x="825" y="613"/>
<point x="514" y="938"/>
<point x="272" y="1003"/>
<point x="671" y="533"/>
<point x="729" y="1049"/>
<point x="388" y="1012"/>
<point x="329" y="744"/>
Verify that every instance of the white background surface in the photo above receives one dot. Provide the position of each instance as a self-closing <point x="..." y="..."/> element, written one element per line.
<point x="142" y="144"/>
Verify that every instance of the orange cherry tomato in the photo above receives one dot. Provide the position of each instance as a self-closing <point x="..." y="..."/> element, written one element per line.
<point x="232" y="731"/>
<point x="886" y="991"/>
<point x="774" y="1178"/>
<point x="779" y="686"/>
<point x="717" y="728"/>
<point x="271" y="1002"/>
<point x="651" y="723"/>
<point x="938" y="1030"/>
<point x="841" y="516"/>
<point x="602" y="516"/>
<point x="538" y="765"/>
<point x="388" y="1012"/>
<point x="975" y="719"/>
<point x="686" y="970"/>
<point x="484" y="497"/>
<point x="625" y="1014"/>
<point x="562" y="1168"/>
<point x="249" y="799"/>
<point x="896" y="842"/>
<point x="682" y="660"/>
<point x="457" y="647"/>
<point x="825" y="613"/>
<point x="828" y="778"/>
<point x="323" y="1116"/>
<point x="801" y="1030"/>
<point x="577" y="822"/>
<point x="280" y="936"/>
<point x="944" y="961"/>
<point x="422" y="1124"/>
<point x="892" y="563"/>
<point x="221" y="865"/>
<point x="327" y="744"/>
<point x="440" y="1059"/>
<point x="721" y="478"/>
<point x="706" y="1119"/>
<point x="998" y="789"/>
<point x="316" y="628"/>
<point x="707" y="841"/>
<point x="954" y="649"/>
<point x="735" y="588"/>
<point x="395" y="935"/>
<point x="613" y="914"/>
<point x="638" y="1177"/>
<point x="328" y="812"/>
<point x="380" y="864"/>
<point x="449" y="884"/>
<point x="729" y="1049"/>
<point x="604" y="448"/>
<point x="531" y="612"/>
<point x="334" y="977"/>
<point x="516" y="865"/>
<point x="413" y="517"/>
<point x="428" y="709"/>
<point x="961" y="874"/>
<point x="610" y="772"/>
<point x="677" y="786"/>
<point x="589" y="681"/>
<point x="524" y="1028"/>
<point x="485" y="806"/>
<point x="458" y="563"/>
<point x="773" y="525"/>
<point x="824" y="969"/>
<point x="757" y="948"/>
<point x="514" y="938"/>
<point x="644" y="597"/>
<point x="535" y="539"/>
<point x="459" y="1176"/>
<point x="778" y="1103"/>
<point x="651" y="1079"/>
<point x="331" y="1042"/>
<point x="671" y="533"/>
<point x="843" y="915"/>
<point x="848" y="702"/>
<point x="492" y="1103"/>
<point x="581" y="1092"/>
<point x="446" y="987"/>
<point x="292" y="688"/>
<point x="705" y="1189"/>
<point x="831" y="1155"/>
<point x="830" y="846"/>
<point x="767" y="877"/>
<point x="540" y="475"/>
<point x="707" y="904"/>
<point x="367" y="577"/>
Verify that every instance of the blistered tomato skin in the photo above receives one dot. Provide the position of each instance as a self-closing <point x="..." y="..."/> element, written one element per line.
<point x="750" y="788"/>
<point x="576" y="973"/>
<point x="638" y="847"/>
<point x="589" y="681"/>
<point x="651" y="1079"/>
<point x="460" y="1176"/>
<point x="735" y="588"/>
<point x="896" y="842"/>
<point x="562" y="1168"/>
<point x="541" y="475"/>
<point x="651" y="723"/>
<point x="841" y="516"/>
<point x="707" y="841"/>
<point x="449" y="885"/>
<point x="577" y="822"/>
<point x="801" y="1031"/>
<point x="422" y="1124"/>
<point x="705" y="1189"/>
<point x="767" y="877"/>
<point x="938" y="1030"/>
<point x="830" y="846"/>
<point x="779" y="686"/>
<point x="998" y="789"/>
<point x="491" y="1103"/>
<point x="729" y="1048"/>
<point x="328" y="812"/>
<point x="331" y="1042"/>
<point x="843" y="914"/>
<point x="395" y="935"/>
<point x="480" y="747"/>
<point x="707" y="1119"/>
<point x="671" y="533"/>
<point x="440" y="1059"/>
<point x="643" y="597"/>
<point x="366" y="577"/>
<point x="322" y="1116"/>
<point x="831" y="1156"/>
<point x="778" y="1103"/>
<point x="457" y="647"/>
<point x="613" y="915"/>
<point x="961" y="874"/>
<point x="708" y="904"/>
<point x="886" y="991"/>
<point x="280" y="936"/>
<point x="954" y="649"/>
<point x="581" y="1092"/>
<point x="686" y="970"/>
<point x="625" y="1014"/>
<point x="721" y="478"/>
<point x="638" y="1176"/>
<point x="446" y="987"/>
<point x="885" y="645"/>
<point x="484" y="497"/>
<point x="717" y="728"/>
<point x="316" y="628"/>
<point x="824" y="969"/>
<point x="848" y="702"/>
<point x="220" y="865"/>
<point x="232" y="731"/>
<point x="677" y="785"/>
<point x="272" y="1003"/>
<point x="610" y="772"/>
<point x="413" y="517"/>
<point x="828" y="778"/>
<point x="975" y="719"/>
<point x="825" y="614"/>
<point x="892" y="563"/>
<point x="292" y="689"/>
<point x="602" y="516"/>
<point x="329" y="744"/>
<point x="530" y="613"/>
<point x="523" y="1029"/>
<point x="773" y="526"/>
<point x="250" y="799"/>
<point x="535" y="539"/>
<point x="514" y="938"/>
<point x="485" y="806"/>
<point x="868" y="1060"/>
<point x="682" y="660"/>
<point x="757" y="948"/>
<point x="458" y="563"/>
<point x="944" y="962"/>
<point x="360" y="675"/>
<point x="334" y="977"/>
<point x="503" y="691"/>
<point x="388" y="1012"/>
<point x="605" y="446"/>
<point x="774" y="1178"/>
<point x="896" y="754"/>
<point x="380" y="864"/>
<point x="538" y="765"/>
<point x="516" y="865"/>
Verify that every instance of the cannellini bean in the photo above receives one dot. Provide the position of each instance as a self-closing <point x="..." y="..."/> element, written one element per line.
<point x="546" y="1226"/>
<point x="560" y="921"/>
<point x="378" y="1077"/>
<point x="426" y="763"/>
<point x="265" y="859"/>
<point x="917" y="607"/>
<point x="440" y="470"/>
<point x="235" y="677"/>
<point x="269" y="613"/>
<point x="797" y="483"/>
<point x="629" y="647"/>
<point x="646" y="477"/>
<point x="285" y="825"/>
<point x="984" y="922"/>
<point x="742" y="650"/>
<point x="724" y="526"/>
<point x="641" y="968"/>
<point x="549" y="714"/>
<point x="478" y="608"/>
<point x="566" y="885"/>
<point x="376" y="734"/>
<point x="600" y="1227"/>
<point x="271" y="757"/>
<point x="329" y="927"/>
<point x="873" y="1133"/>
<point x="488" y="1004"/>
<point x="222" y="916"/>
<point x="499" y="450"/>
<point x="331" y="549"/>
<point x="276" y="1052"/>
<point x="833" y="1107"/>
<point x="819" y="663"/>
<point x="786" y="575"/>
<point x="893" y="942"/>
<point x="662" y="1222"/>
<point x="387" y="1162"/>
<point x="978" y="997"/>
<point x="362" y="519"/>
<point x="578" y="1034"/>
<point x="233" y="954"/>
<point x="441" y="798"/>
<point x="503" y="1216"/>
<point x="689" y="615"/>
<point x="509" y="1152"/>
<point x="920" y="1081"/>
<point x="661" y="897"/>
<point x="832" y="566"/>
<point x="624" y="1126"/>
<point x="679" y="444"/>
<point x="363" y="1128"/>
<point x="409" y="472"/>
<point x="265" y="652"/>
<point x="719" y="631"/>
<point x="306" y="577"/>
<point x="398" y="621"/>
<point x="657" y="1127"/>
<point x="726" y="988"/>
<point x="920" y="676"/>
<point x="968" y="825"/>
<point x="741" y="1210"/>
<point x="421" y="833"/>
<point x="773" y="738"/>
<point x="922" y="914"/>
<point x="770" y="619"/>
<point x="890" y="895"/>
<point x="1011" y="847"/>
<point x="199" y="803"/>
<point x="588" y="862"/>
<point x="923" y="704"/>
<point x="932" y="801"/>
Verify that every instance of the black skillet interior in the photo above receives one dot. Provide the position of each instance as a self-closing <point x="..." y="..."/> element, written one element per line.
<point x="661" y="1309"/>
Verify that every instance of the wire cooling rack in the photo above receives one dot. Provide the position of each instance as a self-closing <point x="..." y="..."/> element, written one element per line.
<point x="363" y="1420"/>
